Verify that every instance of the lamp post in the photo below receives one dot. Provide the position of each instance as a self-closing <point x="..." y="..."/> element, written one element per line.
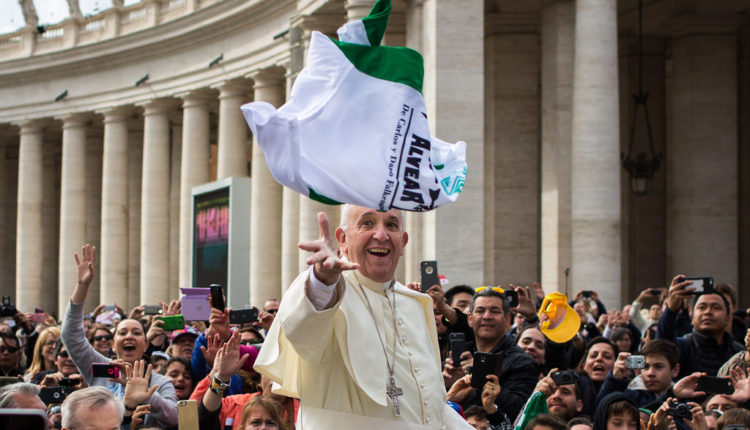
<point x="642" y="167"/>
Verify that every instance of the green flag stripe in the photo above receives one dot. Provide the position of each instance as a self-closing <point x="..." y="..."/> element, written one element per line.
<point x="322" y="199"/>
<point x="395" y="64"/>
<point x="376" y="22"/>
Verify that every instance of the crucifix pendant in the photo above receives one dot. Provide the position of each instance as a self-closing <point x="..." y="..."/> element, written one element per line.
<point x="393" y="392"/>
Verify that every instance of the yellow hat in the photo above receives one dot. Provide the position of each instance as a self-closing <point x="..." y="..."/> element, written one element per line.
<point x="562" y="322"/>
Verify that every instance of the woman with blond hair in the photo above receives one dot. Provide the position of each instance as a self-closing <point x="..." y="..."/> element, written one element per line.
<point x="44" y="353"/>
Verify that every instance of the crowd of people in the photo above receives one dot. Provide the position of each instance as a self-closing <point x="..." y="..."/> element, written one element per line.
<point x="644" y="366"/>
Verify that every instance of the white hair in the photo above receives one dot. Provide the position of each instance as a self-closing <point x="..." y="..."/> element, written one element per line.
<point x="8" y="393"/>
<point x="87" y="398"/>
<point x="346" y="209"/>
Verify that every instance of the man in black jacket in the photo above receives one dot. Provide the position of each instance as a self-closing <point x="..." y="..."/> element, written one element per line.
<point x="490" y="320"/>
<point x="709" y="345"/>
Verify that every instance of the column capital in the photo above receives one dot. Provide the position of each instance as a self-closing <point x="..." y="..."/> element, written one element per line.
<point x="77" y="119"/>
<point x="706" y="24"/>
<point x="326" y="23"/>
<point x="270" y="77"/>
<point x="237" y="87"/>
<point x="202" y="96"/>
<point x="159" y="106"/>
<point x="357" y="9"/>
<point x="31" y="125"/>
<point x="117" y="113"/>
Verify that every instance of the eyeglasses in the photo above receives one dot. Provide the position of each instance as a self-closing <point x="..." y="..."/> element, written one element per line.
<point x="272" y="311"/>
<point x="10" y="349"/>
<point x="63" y="354"/>
<point x="250" y="342"/>
<point x="50" y="343"/>
<point x="103" y="337"/>
<point x="495" y="289"/>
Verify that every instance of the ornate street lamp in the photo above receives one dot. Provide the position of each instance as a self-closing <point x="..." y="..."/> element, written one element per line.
<point x="641" y="169"/>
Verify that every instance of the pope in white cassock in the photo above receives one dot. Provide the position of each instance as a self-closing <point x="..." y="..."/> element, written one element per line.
<point x="356" y="347"/>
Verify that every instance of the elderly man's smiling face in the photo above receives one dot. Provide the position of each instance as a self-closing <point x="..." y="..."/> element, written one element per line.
<point x="373" y="239"/>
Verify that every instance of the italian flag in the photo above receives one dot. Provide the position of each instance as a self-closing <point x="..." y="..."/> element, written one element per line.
<point x="355" y="128"/>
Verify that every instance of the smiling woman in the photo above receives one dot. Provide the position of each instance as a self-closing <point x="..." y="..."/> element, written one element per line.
<point x="129" y="346"/>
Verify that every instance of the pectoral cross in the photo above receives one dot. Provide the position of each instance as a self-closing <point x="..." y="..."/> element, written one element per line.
<point x="393" y="392"/>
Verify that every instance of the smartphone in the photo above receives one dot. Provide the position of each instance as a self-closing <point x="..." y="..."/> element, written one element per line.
<point x="187" y="415"/>
<point x="458" y="346"/>
<point x="173" y="322"/>
<point x="241" y="316"/>
<point x="511" y="297"/>
<point x="50" y="395"/>
<point x="429" y="274"/>
<point x="655" y="292"/>
<point x="636" y="362"/>
<point x="702" y="284"/>
<point x="586" y="294"/>
<point x="217" y="297"/>
<point x="565" y="377"/>
<point x="108" y="308"/>
<point x="105" y="370"/>
<point x="37" y="317"/>
<point x="712" y="384"/>
<point x="484" y="364"/>
<point x="152" y="310"/>
<point x="28" y="419"/>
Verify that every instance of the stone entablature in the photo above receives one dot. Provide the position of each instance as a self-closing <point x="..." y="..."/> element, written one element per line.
<point x="102" y="73"/>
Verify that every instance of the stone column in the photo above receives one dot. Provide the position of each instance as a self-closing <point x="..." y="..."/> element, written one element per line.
<point x="155" y="285"/>
<point x="114" y="251"/>
<point x="233" y="131"/>
<point x="52" y="144"/>
<point x="595" y="159"/>
<point x="357" y="9"/>
<point x="265" y="206"/>
<point x="73" y="204"/>
<point x="135" y="175"/>
<point x="194" y="170"/>
<point x="454" y="90"/>
<point x="9" y="143"/>
<point x="702" y="223"/>
<point x="174" y="206"/>
<point x="29" y="239"/>
<point x="557" y="100"/>
<point x="94" y="152"/>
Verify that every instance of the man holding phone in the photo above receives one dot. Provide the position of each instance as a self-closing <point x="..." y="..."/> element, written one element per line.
<point x="356" y="347"/>
<point x="490" y="319"/>
<point x="708" y="345"/>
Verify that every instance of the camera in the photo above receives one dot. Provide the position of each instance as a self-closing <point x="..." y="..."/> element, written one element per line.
<point x="6" y="308"/>
<point x="680" y="410"/>
<point x="67" y="382"/>
<point x="564" y="377"/>
<point x="636" y="362"/>
<point x="586" y="294"/>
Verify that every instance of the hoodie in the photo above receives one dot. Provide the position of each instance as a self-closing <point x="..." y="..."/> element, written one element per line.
<point x="600" y="417"/>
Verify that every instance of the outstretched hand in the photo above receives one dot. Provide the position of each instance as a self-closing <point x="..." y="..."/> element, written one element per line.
<point x="85" y="272"/>
<point x="327" y="265"/>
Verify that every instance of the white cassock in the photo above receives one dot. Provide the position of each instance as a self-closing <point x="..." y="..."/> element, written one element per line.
<point x="332" y="360"/>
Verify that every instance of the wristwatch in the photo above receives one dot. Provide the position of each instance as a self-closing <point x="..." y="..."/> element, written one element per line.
<point x="218" y="386"/>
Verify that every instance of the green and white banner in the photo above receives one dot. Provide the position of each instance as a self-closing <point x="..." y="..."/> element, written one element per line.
<point x="355" y="128"/>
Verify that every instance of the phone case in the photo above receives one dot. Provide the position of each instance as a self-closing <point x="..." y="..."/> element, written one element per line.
<point x="458" y="346"/>
<point x="187" y="415"/>
<point x="105" y="370"/>
<point x="712" y="384"/>
<point x="173" y="322"/>
<point x="241" y="316"/>
<point x="195" y="305"/>
<point x="484" y="364"/>
<point x="429" y="274"/>
<point x="50" y="395"/>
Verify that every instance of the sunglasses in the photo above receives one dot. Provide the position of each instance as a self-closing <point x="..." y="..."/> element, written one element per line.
<point x="103" y="337"/>
<point x="63" y="354"/>
<point x="495" y="289"/>
<point x="10" y="349"/>
<point x="272" y="311"/>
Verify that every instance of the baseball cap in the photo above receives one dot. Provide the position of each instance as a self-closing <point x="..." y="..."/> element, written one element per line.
<point x="186" y="331"/>
<point x="562" y="322"/>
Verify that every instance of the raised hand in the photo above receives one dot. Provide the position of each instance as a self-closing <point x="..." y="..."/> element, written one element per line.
<point x="678" y="292"/>
<point x="741" y="383"/>
<point x="139" y="415"/>
<point x="219" y="323"/>
<point x="460" y="389"/>
<point x="525" y="302"/>
<point x="490" y="392"/>
<point x="621" y="371"/>
<point x="136" y="388"/>
<point x="547" y="385"/>
<point x="228" y="360"/>
<point x="686" y="387"/>
<point x="213" y="345"/>
<point x="154" y="331"/>
<point x="265" y="320"/>
<point x="86" y="264"/>
<point x="327" y="264"/>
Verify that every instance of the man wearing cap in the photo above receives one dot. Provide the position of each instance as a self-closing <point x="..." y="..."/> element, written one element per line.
<point x="357" y="348"/>
<point x="183" y="342"/>
<point x="490" y="319"/>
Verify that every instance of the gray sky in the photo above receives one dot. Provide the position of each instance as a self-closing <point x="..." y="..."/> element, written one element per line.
<point x="49" y="11"/>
